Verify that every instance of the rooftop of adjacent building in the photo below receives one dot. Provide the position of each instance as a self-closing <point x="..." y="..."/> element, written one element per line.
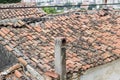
<point x="92" y="40"/>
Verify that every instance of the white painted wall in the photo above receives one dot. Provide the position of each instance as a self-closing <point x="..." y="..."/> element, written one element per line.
<point x="110" y="71"/>
<point x="74" y="1"/>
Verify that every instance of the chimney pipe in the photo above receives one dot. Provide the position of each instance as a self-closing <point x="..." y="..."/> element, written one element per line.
<point x="60" y="57"/>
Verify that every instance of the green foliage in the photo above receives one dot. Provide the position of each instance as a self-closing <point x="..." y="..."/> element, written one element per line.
<point x="9" y="1"/>
<point x="50" y="10"/>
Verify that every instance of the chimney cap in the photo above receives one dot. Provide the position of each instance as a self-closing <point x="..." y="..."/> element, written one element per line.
<point x="62" y="39"/>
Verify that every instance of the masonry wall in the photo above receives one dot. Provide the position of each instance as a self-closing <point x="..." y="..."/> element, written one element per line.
<point x="110" y="71"/>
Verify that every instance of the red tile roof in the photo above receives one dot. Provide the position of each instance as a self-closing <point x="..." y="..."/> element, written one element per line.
<point x="92" y="40"/>
<point x="20" y="13"/>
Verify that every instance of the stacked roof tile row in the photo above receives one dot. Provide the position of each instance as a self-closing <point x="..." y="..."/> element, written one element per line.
<point x="20" y="13"/>
<point x="92" y="40"/>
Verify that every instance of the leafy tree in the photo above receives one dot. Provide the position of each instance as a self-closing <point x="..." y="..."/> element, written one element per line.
<point x="50" y="10"/>
<point x="9" y="1"/>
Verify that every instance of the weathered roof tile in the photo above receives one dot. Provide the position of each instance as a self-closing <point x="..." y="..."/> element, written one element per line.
<point x="18" y="74"/>
<point x="8" y="48"/>
<point x="52" y="74"/>
<point x="89" y="43"/>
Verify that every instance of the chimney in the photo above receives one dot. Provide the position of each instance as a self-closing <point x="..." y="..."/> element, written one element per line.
<point x="60" y="57"/>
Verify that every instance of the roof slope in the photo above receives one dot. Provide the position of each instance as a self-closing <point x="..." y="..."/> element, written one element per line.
<point x="92" y="40"/>
<point x="20" y="13"/>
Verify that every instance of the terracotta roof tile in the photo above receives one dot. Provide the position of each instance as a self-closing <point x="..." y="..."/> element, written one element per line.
<point x="116" y="51"/>
<point x="8" y="48"/>
<point x="18" y="74"/>
<point x="20" y="13"/>
<point x="52" y="74"/>
<point x="90" y="42"/>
